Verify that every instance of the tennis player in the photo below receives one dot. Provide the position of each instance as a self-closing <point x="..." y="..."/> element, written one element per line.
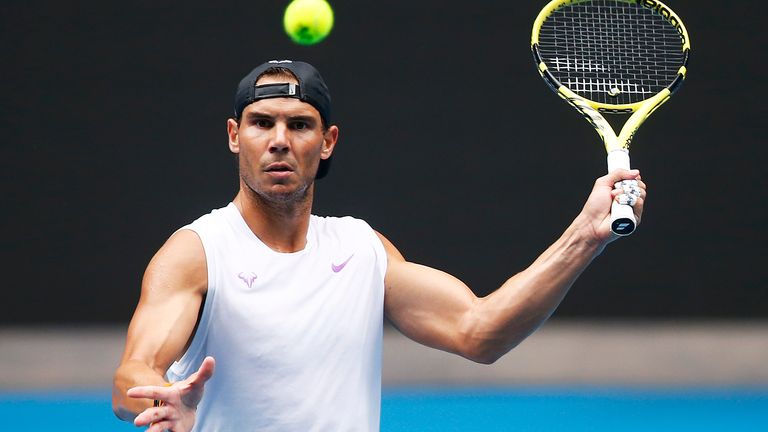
<point x="291" y="305"/>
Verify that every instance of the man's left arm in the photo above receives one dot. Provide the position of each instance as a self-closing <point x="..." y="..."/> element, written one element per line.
<point x="438" y="310"/>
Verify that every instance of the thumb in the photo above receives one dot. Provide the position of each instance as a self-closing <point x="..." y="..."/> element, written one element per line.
<point x="618" y="175"/>
<point x="204" y="373"/>
<point x="192" y="389"/>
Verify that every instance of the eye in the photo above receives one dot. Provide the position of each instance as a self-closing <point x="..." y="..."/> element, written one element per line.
<point x="300" y="125"/>
<point x="263" y="123"/>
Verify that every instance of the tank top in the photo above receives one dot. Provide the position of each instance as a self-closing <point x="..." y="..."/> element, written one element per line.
<point x="296" y="336"/>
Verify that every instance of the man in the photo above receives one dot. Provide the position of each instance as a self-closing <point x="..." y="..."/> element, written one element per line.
<point x="287" y="307"/>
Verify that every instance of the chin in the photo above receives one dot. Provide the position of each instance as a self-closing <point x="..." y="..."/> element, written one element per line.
<point x="285" y="194"/>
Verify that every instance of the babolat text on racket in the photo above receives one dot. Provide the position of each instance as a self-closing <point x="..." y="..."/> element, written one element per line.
<point x="612" y="57"/>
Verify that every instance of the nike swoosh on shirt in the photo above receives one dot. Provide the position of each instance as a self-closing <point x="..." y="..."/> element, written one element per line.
<point x="338" y="268"/>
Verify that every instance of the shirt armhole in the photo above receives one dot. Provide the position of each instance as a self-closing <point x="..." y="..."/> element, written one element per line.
<point x="378" y="247"/>
<point x="192" y="358"/>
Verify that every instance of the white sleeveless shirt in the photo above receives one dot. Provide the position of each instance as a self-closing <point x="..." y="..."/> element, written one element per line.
<point x="296" y="336"/>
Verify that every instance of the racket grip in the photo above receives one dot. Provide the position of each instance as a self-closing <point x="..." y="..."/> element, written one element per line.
<point x="623" y="220"/>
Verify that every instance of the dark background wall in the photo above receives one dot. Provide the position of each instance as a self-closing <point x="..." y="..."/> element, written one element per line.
<point x="112" y="127"/>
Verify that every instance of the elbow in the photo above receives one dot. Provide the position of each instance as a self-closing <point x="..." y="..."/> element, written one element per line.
<point x="481" y="341"/>
<point x="119" y="403"/>
<point x="490" y="348"/>
<point x="485" y="345"/>
<point x="485" y="359"/>
<point x="121" y="412"/>
<point x="116" y="406"/>
<point x="484" y="349"/>
<point x="116" y="409"/>
<point x="485" y="354"/>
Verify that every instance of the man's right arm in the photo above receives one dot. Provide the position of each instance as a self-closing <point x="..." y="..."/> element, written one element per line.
<point x="163" y="324"/>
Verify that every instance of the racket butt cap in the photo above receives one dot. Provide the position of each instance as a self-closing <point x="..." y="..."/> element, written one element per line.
<point x="623" y="220"/>
<point x="623" y="226"/>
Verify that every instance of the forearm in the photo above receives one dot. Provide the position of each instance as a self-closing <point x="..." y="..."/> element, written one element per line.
<point x="132" y="373"/>
<point x="499" y="322"/>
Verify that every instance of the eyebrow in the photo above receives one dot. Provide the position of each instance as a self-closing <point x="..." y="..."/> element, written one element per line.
<point x="262" y="115"/>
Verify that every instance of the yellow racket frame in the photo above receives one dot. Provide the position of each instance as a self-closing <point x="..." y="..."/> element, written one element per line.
<point x="623" y="221"/>
<point x="590" y="109"/>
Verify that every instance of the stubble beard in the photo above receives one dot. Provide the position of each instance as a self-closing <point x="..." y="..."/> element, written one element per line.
<point x="288" y="201"/>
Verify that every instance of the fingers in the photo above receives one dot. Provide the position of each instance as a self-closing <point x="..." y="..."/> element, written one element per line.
<point x="160" y="427"/>
<point x="632" y="193"/>
<point x="153" y="416"/>
<point x="180" y="398"/>
<point x="629" y="187"/>
<point x="627" y="192"/>
<point x="149" y="392"/>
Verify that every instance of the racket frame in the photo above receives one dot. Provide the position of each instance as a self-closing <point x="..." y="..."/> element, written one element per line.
<point x="623" y="221"/>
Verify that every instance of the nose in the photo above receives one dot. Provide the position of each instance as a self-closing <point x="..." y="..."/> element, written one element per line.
<point x="280" y="140"/>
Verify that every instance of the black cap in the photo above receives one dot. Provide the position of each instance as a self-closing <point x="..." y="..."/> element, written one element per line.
<point x="310" y="89"/>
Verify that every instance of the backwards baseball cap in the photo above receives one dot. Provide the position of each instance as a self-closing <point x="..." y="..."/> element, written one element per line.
<point x="310" y="89"/>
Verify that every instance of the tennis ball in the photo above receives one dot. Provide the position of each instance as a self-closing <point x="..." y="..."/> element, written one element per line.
<point x="308" y="22"/>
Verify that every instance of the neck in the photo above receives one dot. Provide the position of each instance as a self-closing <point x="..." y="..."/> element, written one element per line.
<point x="281" y="225"/>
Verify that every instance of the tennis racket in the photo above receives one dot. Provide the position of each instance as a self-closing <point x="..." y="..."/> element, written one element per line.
<point x="612" y="57"/>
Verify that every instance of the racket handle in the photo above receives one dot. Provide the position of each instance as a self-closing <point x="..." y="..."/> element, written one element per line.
<point x="623" y="220"/>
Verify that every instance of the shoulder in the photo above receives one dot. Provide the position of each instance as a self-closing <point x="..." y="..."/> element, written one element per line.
<point x="393" y="254"/>
<point x="179" y="263"/>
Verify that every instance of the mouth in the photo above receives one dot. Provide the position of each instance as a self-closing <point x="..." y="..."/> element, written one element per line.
<point x="279" y="169"/>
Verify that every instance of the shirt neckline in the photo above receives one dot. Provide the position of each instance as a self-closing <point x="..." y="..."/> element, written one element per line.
<point x="237" y="220"/>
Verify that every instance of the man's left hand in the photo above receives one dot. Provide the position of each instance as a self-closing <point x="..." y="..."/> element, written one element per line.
<point x="624" y="186"/>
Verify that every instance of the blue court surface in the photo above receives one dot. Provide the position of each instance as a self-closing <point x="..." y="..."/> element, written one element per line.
<point x="463" y="409"/>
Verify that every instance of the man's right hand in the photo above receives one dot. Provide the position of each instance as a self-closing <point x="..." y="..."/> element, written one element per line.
<point x="178" y="401"/>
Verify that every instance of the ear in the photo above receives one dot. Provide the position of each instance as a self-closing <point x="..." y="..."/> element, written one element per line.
<point x="330" y="138"/>
<point x="232" y="129"/>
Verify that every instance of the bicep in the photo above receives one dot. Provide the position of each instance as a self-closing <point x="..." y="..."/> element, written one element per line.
<point x="427" y="305"/>
<point x="172" y="291"/>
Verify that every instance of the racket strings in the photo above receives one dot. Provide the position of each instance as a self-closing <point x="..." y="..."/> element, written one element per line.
<point x="611" y="52"/>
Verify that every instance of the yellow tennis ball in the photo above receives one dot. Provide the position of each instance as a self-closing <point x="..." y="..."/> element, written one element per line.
<point x="308" y="22"/>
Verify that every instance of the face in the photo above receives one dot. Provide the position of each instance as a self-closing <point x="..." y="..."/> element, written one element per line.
<point x="280" y="142"/>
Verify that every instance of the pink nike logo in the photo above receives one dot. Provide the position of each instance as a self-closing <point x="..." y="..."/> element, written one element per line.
<point x="338" y="268"/>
